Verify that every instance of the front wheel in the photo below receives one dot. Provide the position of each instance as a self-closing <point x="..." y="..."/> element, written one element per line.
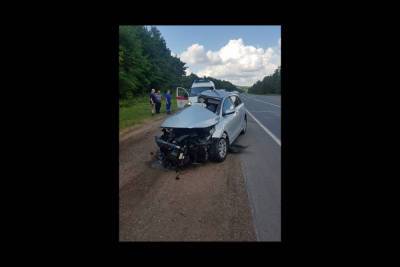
<point x="219" y="149"/>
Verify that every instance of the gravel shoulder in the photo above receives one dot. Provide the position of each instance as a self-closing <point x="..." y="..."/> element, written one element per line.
<point x="207" y="203"/>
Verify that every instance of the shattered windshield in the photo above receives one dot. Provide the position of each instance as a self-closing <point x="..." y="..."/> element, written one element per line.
<point x="195" y="91"/>
<point x="211" y="104"/>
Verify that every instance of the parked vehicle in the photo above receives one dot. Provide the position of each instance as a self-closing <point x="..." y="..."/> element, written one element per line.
<point x="199" y="86"/>
<point x="189" y="97"/>
<point x="203" y="131"/>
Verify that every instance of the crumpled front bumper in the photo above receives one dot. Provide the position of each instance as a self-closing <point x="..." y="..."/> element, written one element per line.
<point x="162" y="143"/>
<point x="171" y="151"/>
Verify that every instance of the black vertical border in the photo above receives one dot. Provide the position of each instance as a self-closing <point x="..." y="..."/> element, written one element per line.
<point x="114" y="33"/>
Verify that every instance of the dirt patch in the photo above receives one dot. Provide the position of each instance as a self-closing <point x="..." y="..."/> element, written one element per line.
<point x="207" y="203"/>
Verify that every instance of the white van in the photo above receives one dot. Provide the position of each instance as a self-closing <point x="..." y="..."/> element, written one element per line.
<point x="198" y="87"/>
<point x="189" y="97"/>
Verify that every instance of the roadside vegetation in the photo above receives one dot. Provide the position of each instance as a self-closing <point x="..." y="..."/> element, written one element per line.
<point x="243" y="88"/>
<point x="138" y="110"/>
<point x="145" y="62"/>
<point x="269" y="85"/>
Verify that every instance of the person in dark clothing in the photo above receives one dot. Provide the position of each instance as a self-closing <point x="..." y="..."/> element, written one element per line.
<point x="168" y="103"/>
<point x="158" y="102"/>
<point x="153" y="101"/>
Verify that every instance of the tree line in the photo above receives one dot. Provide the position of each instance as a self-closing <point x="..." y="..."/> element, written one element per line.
<point x="269" y="85"/>
<point x="145" y="62"/>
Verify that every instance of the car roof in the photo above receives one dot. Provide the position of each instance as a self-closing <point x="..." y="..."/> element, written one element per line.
<point x="218" y="93"/>
<point x="202" y="83"/>
<point x="201" y="80"/>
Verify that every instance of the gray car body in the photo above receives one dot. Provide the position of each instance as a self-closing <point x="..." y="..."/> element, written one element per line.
<point x="197" y="116"/>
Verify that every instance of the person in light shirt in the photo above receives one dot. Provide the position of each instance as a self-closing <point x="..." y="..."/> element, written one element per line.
<point x="153" y="101"/>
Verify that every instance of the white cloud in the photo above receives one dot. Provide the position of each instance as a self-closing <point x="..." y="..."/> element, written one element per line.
<point x="188" y="71"/>
<point x="236" y="62"/>
<point x="194" y="54"/>
<point x="214" y="57"/>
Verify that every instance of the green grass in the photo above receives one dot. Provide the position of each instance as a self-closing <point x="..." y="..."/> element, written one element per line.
<point x="137" y="110"/>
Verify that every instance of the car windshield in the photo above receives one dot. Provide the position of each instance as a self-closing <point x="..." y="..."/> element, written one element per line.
<point x="195" y="91"/>
<point x="211" y="104"/>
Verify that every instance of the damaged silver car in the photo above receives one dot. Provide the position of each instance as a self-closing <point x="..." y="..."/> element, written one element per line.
<point x="202" y="131"/>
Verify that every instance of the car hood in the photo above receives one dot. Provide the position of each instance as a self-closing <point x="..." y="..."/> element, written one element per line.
<point x="194" y="116"/>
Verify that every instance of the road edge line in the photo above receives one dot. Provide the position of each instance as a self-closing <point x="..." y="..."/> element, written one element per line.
<point x="252" y="98"/>
<point x="264" y="102"/>
<point x="264" y="128"/>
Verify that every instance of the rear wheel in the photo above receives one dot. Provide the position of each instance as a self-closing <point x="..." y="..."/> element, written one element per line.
<point x="219" y="149"/>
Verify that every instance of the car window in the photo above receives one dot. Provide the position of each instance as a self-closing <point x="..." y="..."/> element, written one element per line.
<point x="238" y="101"/>
<point x="211" y="104"/>
<point x="235" y="100"/>
<point x="227" y="105"/>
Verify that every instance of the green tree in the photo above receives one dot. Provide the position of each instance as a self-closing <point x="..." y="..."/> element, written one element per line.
<point x="145" y="62"/>
<point x="269" y="85"/>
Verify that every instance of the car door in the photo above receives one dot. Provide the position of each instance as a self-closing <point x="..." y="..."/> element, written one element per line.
<point x="237" y="124"/>
<point x="182" y="97"/>
<point x="229" y="116"/>
<point x="242" y="113"/>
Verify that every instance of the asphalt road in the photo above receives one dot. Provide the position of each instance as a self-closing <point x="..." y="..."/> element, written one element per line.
<point x="261" y="164"/>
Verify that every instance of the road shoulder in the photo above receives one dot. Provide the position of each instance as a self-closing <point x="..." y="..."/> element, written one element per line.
<point x="207" y="203"/>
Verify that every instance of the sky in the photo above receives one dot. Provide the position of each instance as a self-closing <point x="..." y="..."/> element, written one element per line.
<point x="239" y="54"/>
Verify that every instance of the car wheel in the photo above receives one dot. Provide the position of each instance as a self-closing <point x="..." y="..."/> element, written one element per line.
<point x="245" y="126"/>
<point x="219" y="149"/>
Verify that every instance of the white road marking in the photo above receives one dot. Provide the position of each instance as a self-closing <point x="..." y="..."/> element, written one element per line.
<point x="252" y="98"/>
<point x="265" y="128"/>
<point x="266" y="111"/>
<point x="265" y="102"/>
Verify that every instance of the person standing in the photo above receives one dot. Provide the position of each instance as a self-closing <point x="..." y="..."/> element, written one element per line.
<point x="153" y="101"/>
<point x="168" y="101"/>
<point x="158" y="102"/>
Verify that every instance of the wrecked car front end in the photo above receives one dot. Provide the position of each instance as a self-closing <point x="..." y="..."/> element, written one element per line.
<point x="187" y="137"/>
<point x="179" y="147"/>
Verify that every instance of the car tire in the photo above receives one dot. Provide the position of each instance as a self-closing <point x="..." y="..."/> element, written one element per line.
<point x="245" y="126"/>
<point x="219" y="149"/>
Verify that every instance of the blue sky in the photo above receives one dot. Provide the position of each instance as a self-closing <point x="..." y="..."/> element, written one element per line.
<point x="240" y="54"/>
<point x="178" y="38"/>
